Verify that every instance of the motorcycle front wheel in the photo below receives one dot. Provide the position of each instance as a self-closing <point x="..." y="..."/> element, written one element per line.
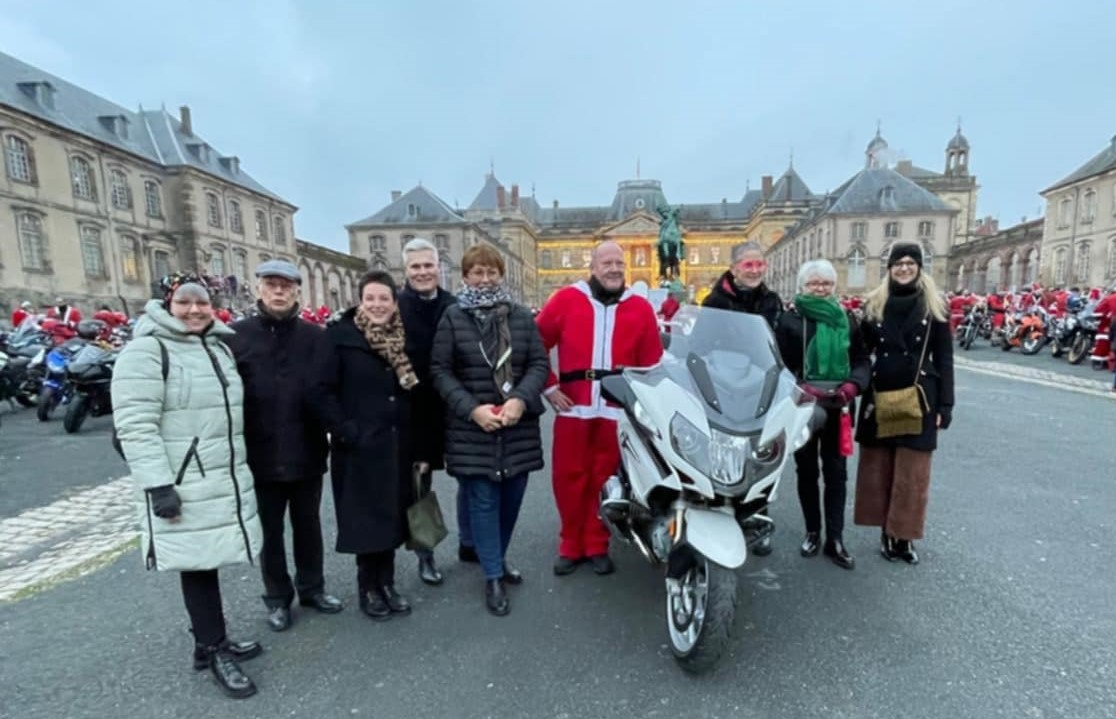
<point x="1056" y="349"/>
<point x="967" y="339"/>
<point x="701" y="607"/>
<point x="1078" y="350"/>
<point x="76" y="413"/>
<point x="48" y="400"/>
<point x="1031" y="345"/>
<point x="25" y="400"/>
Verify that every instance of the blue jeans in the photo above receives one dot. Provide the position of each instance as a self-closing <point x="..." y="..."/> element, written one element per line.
<point x="464" y="530"/>
<point x="493" y="510"/>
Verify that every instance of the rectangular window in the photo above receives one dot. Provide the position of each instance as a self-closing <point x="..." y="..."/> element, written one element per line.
<point x="121" y="193"/>
<point x="891" y="230"/>
<point x="280" y="230"/>
<point x="236" y="223"/>
<point x="161" y="264"/>
<point x="21" y="163"/>
<point x="213" y="205"/>
<point x="261" y="225"/>
<point x="240" y="265"/>
<point x="81" y="178"/>
<point x="925" y="229"/>
<point x="92" y="254"/>
<point x="129" y="257"/>
<point x="217" y="262"/>
<point x="31" y="241"/>
<point x="153" y="199"/>
<point x="859" y="231"/>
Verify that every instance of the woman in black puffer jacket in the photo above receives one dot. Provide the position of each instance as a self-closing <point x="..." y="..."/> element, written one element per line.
<point x="489" y="365"/>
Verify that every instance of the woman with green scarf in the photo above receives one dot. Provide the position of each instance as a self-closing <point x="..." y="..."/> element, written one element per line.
<point x="822" y="345"/>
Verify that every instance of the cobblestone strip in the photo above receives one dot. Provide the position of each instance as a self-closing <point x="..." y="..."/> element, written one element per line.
<point x="1046" y="378"/>
<point x="61" y="540"/>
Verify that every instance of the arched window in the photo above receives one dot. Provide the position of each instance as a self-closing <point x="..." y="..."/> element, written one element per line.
<point x="92" y="253"/>
<point x="153" y="199"/>
<point x="1031" y="274"/>
<point x="236" y="222"/>
<point x="992" y="275"/>
<point x="20" y="159"/>
<point x="1083" y="260"/>
<point x="213" y="209"/>
<point x="217" y="261"/>
<point x="1060" y="266"/>
<point x="1089" y="206"/>
<point x="261" y="225"/>
<point x="31" y="244"/>
<point x="280" y="230"/>
<point x="129" y="257"/>
<point x="81" y="178"/>
<point x="856" y="275"/>
<point x="121" y="192"/>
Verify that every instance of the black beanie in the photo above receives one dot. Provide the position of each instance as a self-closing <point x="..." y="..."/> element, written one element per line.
<point x="905" y="249"/>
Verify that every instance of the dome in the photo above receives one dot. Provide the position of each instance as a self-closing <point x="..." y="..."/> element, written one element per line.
<point x="958" y="142"/>
<point x="877" y="143"/>
<point x="635" y="196"/>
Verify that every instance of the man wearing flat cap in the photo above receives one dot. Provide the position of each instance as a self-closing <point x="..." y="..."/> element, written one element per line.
<point x="287" y="447"/>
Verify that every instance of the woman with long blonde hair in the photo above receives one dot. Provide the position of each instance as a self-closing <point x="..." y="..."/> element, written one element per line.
<point x="909" y="399"/>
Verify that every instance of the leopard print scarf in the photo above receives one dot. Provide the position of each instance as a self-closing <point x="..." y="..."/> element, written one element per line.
<point x="388" y="341"/>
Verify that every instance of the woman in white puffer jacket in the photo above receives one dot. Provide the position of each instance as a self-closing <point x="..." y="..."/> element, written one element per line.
<point x="178" y="409"/>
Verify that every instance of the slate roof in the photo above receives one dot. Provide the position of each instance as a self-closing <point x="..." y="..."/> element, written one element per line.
<point x="153" y="135"/>
<point x="1099" y="164"/>
<point x="429" y="209"/>
<point x="486" y="199"/>
<point x="790" y="188"/>
<point x="863" y="193"/>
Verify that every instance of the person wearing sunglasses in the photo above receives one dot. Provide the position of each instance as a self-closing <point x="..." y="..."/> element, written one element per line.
<point x="742" y="289"/>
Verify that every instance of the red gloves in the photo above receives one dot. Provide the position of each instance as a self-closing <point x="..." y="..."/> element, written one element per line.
<point x="847" y="392"/>
<point x="843" y="394"/>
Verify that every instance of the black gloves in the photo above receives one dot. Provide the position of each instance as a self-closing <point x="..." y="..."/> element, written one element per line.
<point x="945" y="413"/>
<point x="165" y="502"/>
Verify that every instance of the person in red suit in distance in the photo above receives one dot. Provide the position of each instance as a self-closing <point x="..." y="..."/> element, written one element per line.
<point x="598" y="326"/>
<point x="64" y="313"/>
<point x="956" y="312"/>
<point x="996" y="307"/>
<point x="21" y="313"/>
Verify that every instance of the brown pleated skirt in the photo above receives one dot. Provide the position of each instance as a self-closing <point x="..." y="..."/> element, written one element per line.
<point x="892" y="490"/>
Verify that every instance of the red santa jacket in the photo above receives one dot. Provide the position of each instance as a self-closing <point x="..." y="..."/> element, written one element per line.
<point x="957" y="305"/>
<point x="73" y="315"/>
<point x="592" y="336"/>
<point x="18" y="316"/>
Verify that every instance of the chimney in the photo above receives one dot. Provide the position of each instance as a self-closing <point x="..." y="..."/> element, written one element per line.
<point x="500" y="197"/>
<point x="515" y="196"/>
<point x="766" y="186"/>
<point x="395" y="195"/>
<point x="556" y="204"/>
<point x="185" y="119"/>
<point x="904" y="167"/>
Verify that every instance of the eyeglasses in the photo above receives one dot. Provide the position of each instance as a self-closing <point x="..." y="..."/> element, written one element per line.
<point x="752" y="266"/>
<point x="906" y="264"/>
<point x="484" y="273"/>
<point x="819" y="284"/>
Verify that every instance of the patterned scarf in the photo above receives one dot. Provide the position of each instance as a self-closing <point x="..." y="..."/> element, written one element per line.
<point x="388" y="341"/>
<point x="489" y="308"/>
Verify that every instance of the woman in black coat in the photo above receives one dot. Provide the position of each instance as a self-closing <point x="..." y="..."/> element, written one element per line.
<point x="822" y="345"/>
<point x="364" y="387"/>
<point x="489" y="365"/>
<point x="907" y="330"/>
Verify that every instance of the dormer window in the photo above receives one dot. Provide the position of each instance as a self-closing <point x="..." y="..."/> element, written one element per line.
<point x="887" y="196"/>
<point x="412" y="210"/>
<point x="40" y="91"/>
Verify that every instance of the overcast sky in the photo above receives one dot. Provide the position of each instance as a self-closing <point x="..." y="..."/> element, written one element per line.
<point x="334" y="104"/>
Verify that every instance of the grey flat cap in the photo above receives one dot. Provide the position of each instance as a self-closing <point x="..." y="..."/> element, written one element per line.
<point x="279" y="268"/>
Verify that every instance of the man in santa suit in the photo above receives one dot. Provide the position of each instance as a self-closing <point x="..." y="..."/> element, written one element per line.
<point x="599" y="327"/>
<point x="21" y="313"/>
<point x="956" y="311"/>
<point x="996" y="307"/>
<point x="64" y="313"/>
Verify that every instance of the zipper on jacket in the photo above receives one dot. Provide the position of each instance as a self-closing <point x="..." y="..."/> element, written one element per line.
<point x="191" y="452"/>
<point x="149" y="561"/>
<point x="232" y="449"/>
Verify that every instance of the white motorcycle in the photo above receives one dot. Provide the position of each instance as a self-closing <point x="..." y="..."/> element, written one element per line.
<point x="704" y="438"/>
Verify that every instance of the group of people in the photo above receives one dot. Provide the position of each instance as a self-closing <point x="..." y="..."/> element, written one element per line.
<point x="228" y="429"/>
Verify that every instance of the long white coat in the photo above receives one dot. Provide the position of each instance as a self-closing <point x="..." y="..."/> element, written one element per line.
<point x="187" y="432"/>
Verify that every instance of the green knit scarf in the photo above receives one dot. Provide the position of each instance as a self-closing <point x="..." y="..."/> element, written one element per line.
<point x="827" y="356"/>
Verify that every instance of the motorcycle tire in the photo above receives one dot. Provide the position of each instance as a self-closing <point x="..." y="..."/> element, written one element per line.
<point x="76" y="412"/>
<point x="24" y="400"/>
<point x="48" y="400"/>
<point x="967" y="340"/>
<point x="1056" y="349"/>
<point x="699" y="651"/>
<point x="1078" y="350"/>
<point x="1006" y="346"/>
<point x="1031" y="345"/>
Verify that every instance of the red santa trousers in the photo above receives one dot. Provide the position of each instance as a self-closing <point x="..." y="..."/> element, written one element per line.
<point x="585" y="455"/>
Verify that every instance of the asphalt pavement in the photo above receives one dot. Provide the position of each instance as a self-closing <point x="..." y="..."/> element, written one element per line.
<point x="1008" y="615"/>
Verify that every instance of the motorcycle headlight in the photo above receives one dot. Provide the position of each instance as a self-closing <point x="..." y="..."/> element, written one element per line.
<point x="690" y="442"/>
<point x="728" y="456"/>
<point x="55" y="364"/>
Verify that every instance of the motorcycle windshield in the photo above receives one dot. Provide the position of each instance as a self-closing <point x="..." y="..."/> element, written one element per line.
<point x="731" y="362"/>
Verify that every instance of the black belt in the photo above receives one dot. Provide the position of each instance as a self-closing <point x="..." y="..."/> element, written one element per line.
<point x="590" y="375"/>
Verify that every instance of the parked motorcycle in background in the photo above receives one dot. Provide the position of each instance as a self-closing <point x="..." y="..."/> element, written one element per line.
<point x="89" y="375"/>
<point x="704" y="438"/>
<point x="1084" y="338"/>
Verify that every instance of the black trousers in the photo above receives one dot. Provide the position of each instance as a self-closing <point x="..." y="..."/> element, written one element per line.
<point x="201" y="591"/>
<point x="304" y="500"/>
<point x="823" y="446"/>
<point x="375" y="570"/>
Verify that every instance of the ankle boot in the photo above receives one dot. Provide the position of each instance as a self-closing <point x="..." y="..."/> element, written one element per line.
<point x="240" y="651"/>
<point x="428" y="571"/>
<point x="905" y="550"/>
<point x="496" y="597"/>
<point x="232" y="681"/>
<point x="887" y="546"/>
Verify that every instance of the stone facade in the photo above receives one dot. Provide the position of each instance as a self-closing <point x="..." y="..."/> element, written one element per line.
<point x="994" y="259"/>
<point x="1079" y="237"/>
<point x="329" y="277"/>
<point x="98" y="202"/>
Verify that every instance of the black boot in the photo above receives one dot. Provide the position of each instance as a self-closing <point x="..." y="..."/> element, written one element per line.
<point x="905" y="550"/>
<point x="835" y="550"/>
<point x="374" y="605"/>
<point x="496" y="598"/>
<point x="512" y="575"/>
<point x="240" y="651"/>
<point x="232" y="681"/>
<point x="887" y="546"/>
<point x="810" y="545"/>
<point x="428" y="571"/>
<point x="467" y="554"/>
<point x="396" y="602"/>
